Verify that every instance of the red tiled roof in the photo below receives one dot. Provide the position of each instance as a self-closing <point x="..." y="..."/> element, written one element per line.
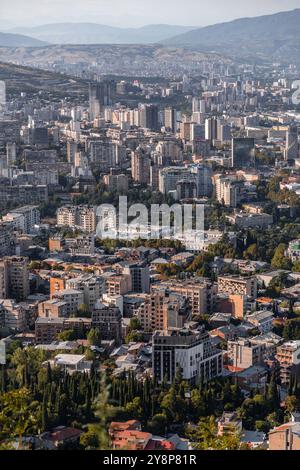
<point x="160" y="445"/>
<point x="124" y="426"/>
<point x="64" y="434"/>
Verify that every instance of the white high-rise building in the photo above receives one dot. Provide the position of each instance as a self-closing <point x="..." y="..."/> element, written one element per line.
<point x="2" y="97"/>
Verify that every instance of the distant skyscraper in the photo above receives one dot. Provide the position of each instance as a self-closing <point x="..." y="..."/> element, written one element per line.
<point x="71" y="151"/>
<point x="211" y="129"/>
<point x="199" y="105"/>
<point x="170" y="118"/>
<point x="101" y="95"/>
<point x="2" y="96"/>
<point x="140" y="166"/>
<point x="224" y="132"/>
<point x="148" y="116"/>
<point x="203" y="176"/>
<point x="40" y="136"/>
<point x="243" y="152"/>
<point x="291" y="146"/>
<point x="11" y="154"/>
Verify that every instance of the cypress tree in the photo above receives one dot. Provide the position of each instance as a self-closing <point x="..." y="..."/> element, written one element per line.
<point x="45" y="417"/>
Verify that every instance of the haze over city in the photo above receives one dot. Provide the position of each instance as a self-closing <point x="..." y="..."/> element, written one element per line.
<point x="149" y="230"/>
<point x="134" y="12"/>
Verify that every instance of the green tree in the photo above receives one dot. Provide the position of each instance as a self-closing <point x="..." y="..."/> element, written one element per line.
<point x="94" y="337"/>
<point x="67" y="335"/>
<point x="102" y="412"/>
<point x="291" y="403"/>
<point x="89" y="440"/>
<point x="158" y="424"/>
<point x="279" y="260"/>
<point x="18" y="415"/>
<point x="205" y="437"/>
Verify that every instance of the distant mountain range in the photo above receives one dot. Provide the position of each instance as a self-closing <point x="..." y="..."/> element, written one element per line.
<point x="273" y="36"/>
<point x="92" y="33"/>
<point x="267" y="38"/>
<point x="18" y="40"/>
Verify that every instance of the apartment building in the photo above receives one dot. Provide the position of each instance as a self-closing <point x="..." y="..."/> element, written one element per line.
<point x="56" y="243"/>
<point x="262" y="320"/>
<point x="83" y="217"/>
<point x="235" y="304"/>
<point x="15" y="278"/>
<point x="140" y="166"/>
<point x="47" y="329"/>
<point x="119" y="284"/>
<point x="7" y="238"/>
<point x="24" y="218"/>
<point x="3" y="279"/>
<point x="238" y="285"/>
<point x="243" y="354"/>
<point x="140" y="277"/>
<point x="285" y="437"/>
<point x="198" y="291"/>
<point x="170" y="176"/>
<point x="72" y="298"/>
<point x="245" y="220"/>
<point x="83" y="245"/>
<point x="53" y="309"/>
<point x="189" y="350"/>
<point x="13" y="315"/>
<point x="163" y="310"/>
<point x="109" y="322"/>
<point x="227" y="190"/>
<point x="90" y="285"/>
<point x="288" y="356"/>
<point x="57" y="284"/>
<point x="116" y="182"/>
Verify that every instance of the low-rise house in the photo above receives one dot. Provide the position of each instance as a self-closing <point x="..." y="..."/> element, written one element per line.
<point x="219" y="319"/>
<point x="225" y="333"/>
<point x="129" y="436"/>
<point x="253" y="378"/>
<point x="72" y="363"/>
<point x="229" y="423"/>
<point x="262" y="320"/>
<point x="270" y="340"/>
<point x="267" y="277"/>
<point x="254" y="439"/>
<point x="57" y="438"/>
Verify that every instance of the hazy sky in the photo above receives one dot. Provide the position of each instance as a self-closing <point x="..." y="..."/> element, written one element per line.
<point x="135" y="12"/>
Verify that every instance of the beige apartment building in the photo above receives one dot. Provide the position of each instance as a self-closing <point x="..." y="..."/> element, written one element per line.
<point x="163" y="310"/>
<point x="77" y="216"/>
<point x="72" y="298"/>
<point x="199" y="293"/>
<point x="118" y="284"/>
<point x="288" y="356"/>
<point x="243" y="354"/>
<point x="13" y="315"/>
<point x="285" y="437"/>
<point x="14" y="278"/>
<point x="238" y="285"/>
<point x="53" y="309"/>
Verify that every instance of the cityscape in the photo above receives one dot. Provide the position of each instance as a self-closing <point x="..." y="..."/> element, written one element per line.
<point x="150" y="235"/>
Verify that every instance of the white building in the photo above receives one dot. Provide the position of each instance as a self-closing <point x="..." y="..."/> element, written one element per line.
<point x="262" y="320"/>
<point x="24" y="218"/>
